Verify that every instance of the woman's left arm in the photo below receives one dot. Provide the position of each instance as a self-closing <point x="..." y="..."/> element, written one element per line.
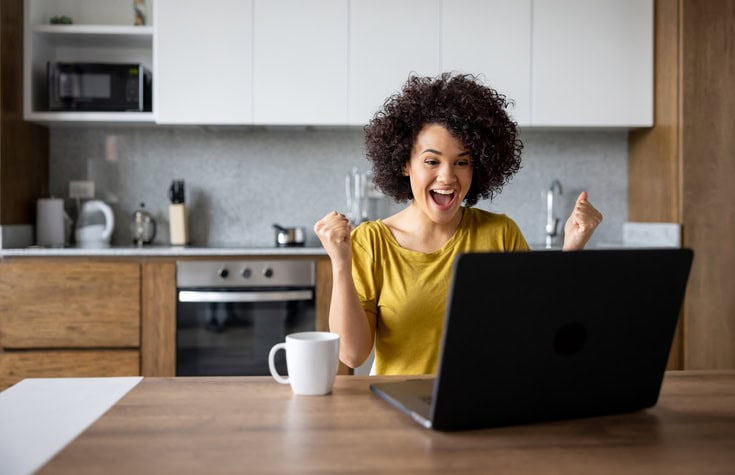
<point x="581" y="224"/>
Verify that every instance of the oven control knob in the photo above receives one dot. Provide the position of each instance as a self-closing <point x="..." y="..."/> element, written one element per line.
<point x="268" y="272"/>
<point x="223" y="273"/>
<point x="245" y="272"/>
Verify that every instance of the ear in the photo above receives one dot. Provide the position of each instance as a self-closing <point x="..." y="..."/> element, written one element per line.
<point x="405" y="169"/>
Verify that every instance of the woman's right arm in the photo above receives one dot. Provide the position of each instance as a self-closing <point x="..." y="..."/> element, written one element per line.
<point x="355" y="326"/>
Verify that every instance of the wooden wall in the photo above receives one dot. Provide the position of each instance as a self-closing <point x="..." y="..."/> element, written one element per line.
<point x="23" y="146"/>
<point x="708" y="179"/>
<point x="683" y="169"/>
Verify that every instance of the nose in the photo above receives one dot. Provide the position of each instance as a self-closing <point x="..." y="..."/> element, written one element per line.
<point x="446" y="174"/>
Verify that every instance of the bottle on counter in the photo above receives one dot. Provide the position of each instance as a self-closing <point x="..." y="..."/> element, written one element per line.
<point x="178" y="219"/>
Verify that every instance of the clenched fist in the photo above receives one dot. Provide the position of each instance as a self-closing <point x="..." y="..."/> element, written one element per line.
<point x="581" y="224"/>
<point x="333" y="230"/>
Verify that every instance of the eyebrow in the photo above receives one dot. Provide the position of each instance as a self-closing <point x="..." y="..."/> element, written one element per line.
<point x="431" y="150"/>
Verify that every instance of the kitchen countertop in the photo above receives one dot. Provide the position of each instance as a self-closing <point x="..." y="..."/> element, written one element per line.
<point x="162" y="251"/>
<point x="184" y="251"/>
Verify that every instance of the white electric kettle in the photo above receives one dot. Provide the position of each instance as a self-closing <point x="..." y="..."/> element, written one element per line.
<point x="90" y="234"/>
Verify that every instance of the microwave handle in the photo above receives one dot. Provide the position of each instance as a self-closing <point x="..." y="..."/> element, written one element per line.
<point x="266" y="296"/>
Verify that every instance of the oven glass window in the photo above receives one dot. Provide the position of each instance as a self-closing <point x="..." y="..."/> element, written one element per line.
<point x="234" y="338"/>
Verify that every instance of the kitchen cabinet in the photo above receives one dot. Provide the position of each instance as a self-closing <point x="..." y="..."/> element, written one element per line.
<point x="18" y="365"/>
<point x="388" y="40"/>
<point x="158" y="318"/>
<point x="491" y="38"/>
<point x="564" y="63"/>
<point x="68" y="318"/>
<point x="89" y="317"/>
<point x="102" y="31"/>
<point x="592" y="63"/>
<point x="203" y="62"/>
<point x="300" y="62"/>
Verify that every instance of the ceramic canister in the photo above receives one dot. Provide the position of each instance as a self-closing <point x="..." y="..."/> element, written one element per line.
<point x="50" y="222"/>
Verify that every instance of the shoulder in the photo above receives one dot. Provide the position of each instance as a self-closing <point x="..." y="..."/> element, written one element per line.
<point x="494" y="230"/>
<point x="480" y="217"/>
<point x="367" y="231"/>
<point x="367" y="234"/>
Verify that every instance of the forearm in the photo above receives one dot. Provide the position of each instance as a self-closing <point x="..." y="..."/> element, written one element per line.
<point x="348" y="319"/>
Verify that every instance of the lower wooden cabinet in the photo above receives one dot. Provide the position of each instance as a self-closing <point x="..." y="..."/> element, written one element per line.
<point x="86" y="317"/>
<point x="158" y="318"/>
<point x="17" y="365"/>
<point x="63" y="317"/>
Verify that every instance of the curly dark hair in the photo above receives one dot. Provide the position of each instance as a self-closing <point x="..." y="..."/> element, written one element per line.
<point x="472" y="112"/>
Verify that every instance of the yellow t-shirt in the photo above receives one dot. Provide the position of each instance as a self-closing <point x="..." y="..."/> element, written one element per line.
<point x="407" y="290"/>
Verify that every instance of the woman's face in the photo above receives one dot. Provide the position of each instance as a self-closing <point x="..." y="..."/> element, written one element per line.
<point x="440" y="171"/>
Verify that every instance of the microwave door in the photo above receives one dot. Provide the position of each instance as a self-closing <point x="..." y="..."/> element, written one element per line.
<point x="80" y="90"/>
<point x="70" y="87"/>
<point x="97" y="86"/>
<point x="97" y="91"/>
<point x="65" y="90"/>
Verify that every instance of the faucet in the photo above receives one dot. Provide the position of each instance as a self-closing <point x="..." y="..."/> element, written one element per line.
<point x="552" y="222"/>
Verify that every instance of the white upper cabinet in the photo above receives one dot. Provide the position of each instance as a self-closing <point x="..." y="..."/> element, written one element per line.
<point x="563" y="63"/>
<point x="592" y="63"/>
<point x="491" y="38"/>
<point x="300" y="62"/>
<point x="203" y="62"/>
<point x="389" y="39"/>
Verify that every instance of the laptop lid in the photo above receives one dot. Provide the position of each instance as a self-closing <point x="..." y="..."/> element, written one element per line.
<point x="537" y="336"/>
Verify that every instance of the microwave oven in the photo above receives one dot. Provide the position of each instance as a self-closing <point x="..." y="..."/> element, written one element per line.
<point x="99" y="87"/>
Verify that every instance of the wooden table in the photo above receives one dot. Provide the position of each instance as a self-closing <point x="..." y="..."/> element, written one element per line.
<point x="253" y="425"/>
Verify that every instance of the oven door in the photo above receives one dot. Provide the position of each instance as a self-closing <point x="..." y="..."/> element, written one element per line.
<point x="230" y="332"/>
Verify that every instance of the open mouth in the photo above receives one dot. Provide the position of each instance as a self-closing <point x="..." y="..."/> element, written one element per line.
<point x="442" y="198"/>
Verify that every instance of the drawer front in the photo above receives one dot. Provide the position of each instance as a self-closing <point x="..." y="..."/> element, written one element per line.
<point x="69" y="304"/>
<point x="18" y="365"/>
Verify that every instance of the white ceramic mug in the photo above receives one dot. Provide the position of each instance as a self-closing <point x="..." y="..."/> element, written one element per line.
<point x="311" y="358"/>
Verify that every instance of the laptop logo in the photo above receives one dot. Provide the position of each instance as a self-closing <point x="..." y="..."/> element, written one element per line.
<point x="570" y="339"/>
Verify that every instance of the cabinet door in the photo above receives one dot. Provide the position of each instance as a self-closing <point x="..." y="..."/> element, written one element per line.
<point x="158" y="318"/>
<point x="202" y="54"/>
<point x="592" y="63"/>
<point x="69" y="304"/>
<point x="491" y="38"/>
<point x="18" y="365"/>
<point x="300" y="62"/>
<point x="389" y="39"/>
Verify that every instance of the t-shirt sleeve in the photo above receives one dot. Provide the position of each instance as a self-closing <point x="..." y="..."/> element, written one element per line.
<point x="363" y="269"/>
<point x="514" y="237"/>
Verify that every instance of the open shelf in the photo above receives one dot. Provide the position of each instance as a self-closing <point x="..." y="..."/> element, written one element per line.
<point x="85" y="117"/>
<point x="98" y="35"/>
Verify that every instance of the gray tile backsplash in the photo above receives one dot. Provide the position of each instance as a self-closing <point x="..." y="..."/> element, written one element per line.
<point x="241" y="180"/>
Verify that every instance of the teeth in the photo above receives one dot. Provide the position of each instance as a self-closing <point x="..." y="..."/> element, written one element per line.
<point x="443" y="192"/>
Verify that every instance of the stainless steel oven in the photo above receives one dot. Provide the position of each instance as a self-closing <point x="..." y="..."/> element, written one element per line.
<point x="231" y="312"/>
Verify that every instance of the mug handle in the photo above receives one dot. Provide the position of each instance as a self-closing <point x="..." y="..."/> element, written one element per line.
<point x="272" y="364"/>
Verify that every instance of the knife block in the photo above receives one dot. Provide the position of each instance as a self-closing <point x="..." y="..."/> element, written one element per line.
<point x="179" y="224"/>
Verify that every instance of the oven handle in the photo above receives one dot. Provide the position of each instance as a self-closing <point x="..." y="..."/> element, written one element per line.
<point x="268" y="296"/>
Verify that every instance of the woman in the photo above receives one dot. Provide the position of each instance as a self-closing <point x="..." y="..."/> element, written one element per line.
<point x="442" y="144"/>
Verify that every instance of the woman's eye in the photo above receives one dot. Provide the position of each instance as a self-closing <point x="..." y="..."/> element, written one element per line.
<point x="430" y="161"/>
<point x="463" y="163"/>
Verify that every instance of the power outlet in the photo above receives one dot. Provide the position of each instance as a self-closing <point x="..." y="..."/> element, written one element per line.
<point x="81" y="189"/>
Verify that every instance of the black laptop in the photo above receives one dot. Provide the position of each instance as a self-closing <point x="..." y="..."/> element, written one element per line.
<point x="549" y="335"/>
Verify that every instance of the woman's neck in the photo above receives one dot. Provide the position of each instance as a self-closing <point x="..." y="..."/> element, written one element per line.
<point x="412" y="230"/>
